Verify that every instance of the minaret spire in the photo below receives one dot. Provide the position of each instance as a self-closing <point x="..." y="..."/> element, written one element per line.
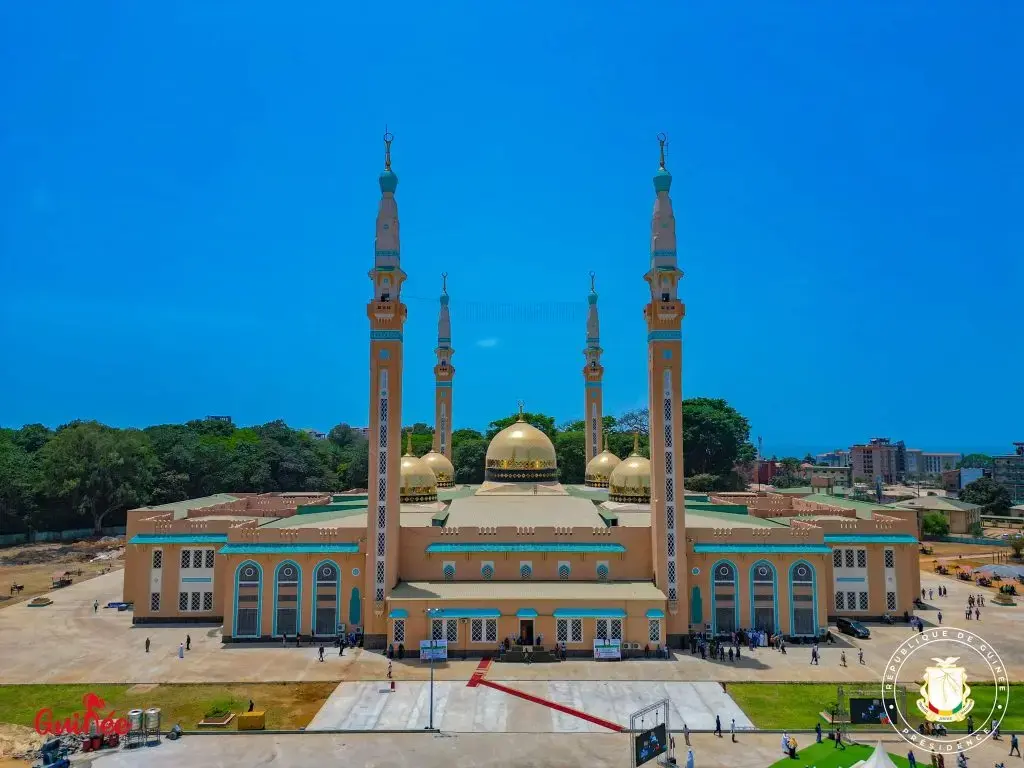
<point x="386" y="314"/>
<point x="444" y="374"/>
<point x="593" y="374"/>
<point x="664" y="315"/>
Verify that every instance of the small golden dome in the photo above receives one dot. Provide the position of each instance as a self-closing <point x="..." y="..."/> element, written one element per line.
<point x="599" y="468"/>
<point x="417" y="482"/>
<point x="630" y="481"/>
<point x="443" y="469"/>
<point x="521" y="453"/>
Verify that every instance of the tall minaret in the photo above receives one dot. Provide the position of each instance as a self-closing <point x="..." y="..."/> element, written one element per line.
<point x="664" y="315"/>
<point x="444" y="372"/>
<point x="387" y="317"/>
<point x="593" y="373"/>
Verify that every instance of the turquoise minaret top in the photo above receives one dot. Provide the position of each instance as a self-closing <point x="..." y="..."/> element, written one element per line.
<point x="388" y="179"/>
<point x="662" y="179"/>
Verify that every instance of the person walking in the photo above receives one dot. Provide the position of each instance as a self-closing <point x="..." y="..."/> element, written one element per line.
<point x="792" y="747"/>
<point x="181" y="650"/>
<point x="911" y="759"/>
<point x="718" y="726"/>
<point x="839" y="739"/>
<point x="95" y="605"/>
<point x="1014" y="745"/>
<point x="977" y="614"/>
<point x="252" y="705"/>
<point x="860" y="655"/>
<point x="686" y="734"/>
<point x="842" y="659"/>
<point x="995" y="729"/>
<point x="732" y="730"/>
<point x="188" y="642"/>
<point x="940" y="617"/>
<point x="814" y="655"/>
<point x="817" y="732"/>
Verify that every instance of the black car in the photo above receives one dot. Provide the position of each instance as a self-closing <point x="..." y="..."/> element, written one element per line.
<point x="854" y="628"/>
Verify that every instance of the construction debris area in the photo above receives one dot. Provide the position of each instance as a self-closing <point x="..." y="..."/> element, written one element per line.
<point x="29" y="570"/>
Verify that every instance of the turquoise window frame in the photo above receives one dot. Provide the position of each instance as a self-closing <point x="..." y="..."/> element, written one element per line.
<point x="298" y="597"/>
<point x="315" y="602"/>
<point x="714" y="595"/>
<point x="814" y="597"/>
<point x="775" y="592"/>
<point x="259" y="599"/>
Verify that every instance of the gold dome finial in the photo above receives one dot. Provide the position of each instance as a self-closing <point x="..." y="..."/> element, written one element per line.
<point x="662" y="140"/>
<point x="606" y="442"/>
<point x="521" y="406"/>
<point x="388" y="138"/>
<point x="408" y="443"/>
<point x="636" y="442"/>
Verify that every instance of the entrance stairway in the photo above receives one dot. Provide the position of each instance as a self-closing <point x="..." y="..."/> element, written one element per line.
<point x="538" y="655"/>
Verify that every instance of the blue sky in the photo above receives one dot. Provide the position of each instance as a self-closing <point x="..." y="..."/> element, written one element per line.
<point x="189" y="189"/>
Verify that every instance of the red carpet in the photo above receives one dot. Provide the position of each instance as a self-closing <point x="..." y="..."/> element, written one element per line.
<point x="481" y="672"/>
<point x="553" y="705"/>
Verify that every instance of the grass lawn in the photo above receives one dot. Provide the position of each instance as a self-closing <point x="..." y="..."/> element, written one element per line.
<point x="288" y="706"/>
<point x="798" y="705"/>
<point x="825" y="755"/>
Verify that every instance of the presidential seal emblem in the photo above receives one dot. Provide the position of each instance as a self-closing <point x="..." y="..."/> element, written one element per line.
<point x="944" y="693"/>
<point x="933" y="667"/>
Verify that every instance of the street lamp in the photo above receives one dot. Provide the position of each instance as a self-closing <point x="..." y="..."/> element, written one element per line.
<point x="431" y="612"/>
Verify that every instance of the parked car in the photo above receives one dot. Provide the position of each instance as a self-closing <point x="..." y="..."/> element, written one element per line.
<point x="853" y="628"/>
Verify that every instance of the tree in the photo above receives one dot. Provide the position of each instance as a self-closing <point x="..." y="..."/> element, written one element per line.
<point x="976" y="529"/>
<point x="975" y="461"/>
<point x="19" y="479"/>
<point x="935" y="524"/>
<point x="808" y="459"/>
<point x="342" y="436"/>
<point x="570" y="450"/>
<point x="353" y="467"/>
<point x="993" y="498"/>
<point x="702" y="483"/>
<point x="465" y="434"/>
<point x="713" y="434"/>
<point x="788" y="480"/>
<point x="1016" y="542"/>
<point x="638" y="420"/>
<point x="468" y="458"/>
<point x="545" y="424"/>
<point x="97" y="470"/>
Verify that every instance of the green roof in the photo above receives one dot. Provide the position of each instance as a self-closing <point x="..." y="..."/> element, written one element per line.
<point x="179" y="538"/>
<point x="862" y="508"/>
<point x="870" y="538"/>
<point x="450" y="547"/>
<point x="583" y="492"/>
<point x="733" y="518"/>
<point x="266" y="549"/>
<point x="310" y="519"/>
<point x="181" y="508"/>
<point x="779" y="549"/>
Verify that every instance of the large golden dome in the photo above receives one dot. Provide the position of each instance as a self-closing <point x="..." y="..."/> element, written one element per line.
<point x="417" y="483"/>
<point x="599" y="468"/>
<point x="630" y="481"/>
<point x="443" y="469"/>
<point x="521" y="453"/>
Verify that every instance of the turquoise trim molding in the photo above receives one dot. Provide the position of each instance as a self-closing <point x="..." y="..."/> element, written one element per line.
<point x="316" y="597"/>
<point x="259" y="599"/>
<point x="391" y="254"/>
<point x="589" y="613"/>
<point x="343" y="548"/>
<point x="179" y="538"/>
<point x="814" y="597"/>
<point x="443" y="384"/>
<point x="736" y="595"/>
<point x="655" y="613"/>
<point x="780" y="549"/>
<point x="298" y="597"/>
<point x="665" y="336"/>
<point x="465" y="613"/>
<point x="593" y="385"/>
<point x="524" y="547"/>
<point x="526" y="613"/>
<point x="398" y="613"/>
<point x="385" y="335"/>
<point x="444" y="339"/>
<point x="594" y="340"/>
<point x="869" y="538"/>
<point x="853" y="579"/>
<point x="663" y="254"/>
<point x="196" y="580"/>
<point x="775" y="593"/>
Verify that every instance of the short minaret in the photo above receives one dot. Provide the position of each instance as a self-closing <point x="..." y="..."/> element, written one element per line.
<point x="387" y="314"/>
<point x="593" y="373"/>
<point x="664" y="316"/>
<point x="444" y="373"/>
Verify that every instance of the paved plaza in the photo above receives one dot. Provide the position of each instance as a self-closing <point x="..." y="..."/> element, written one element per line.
<point x="68" y="643"/>
<point x="461" y="709"/>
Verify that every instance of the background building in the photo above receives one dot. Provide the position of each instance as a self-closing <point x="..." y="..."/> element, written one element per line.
<point x="877" y="458"/>
<point x="836" y="458"/>
<point x="1008" y="471"/>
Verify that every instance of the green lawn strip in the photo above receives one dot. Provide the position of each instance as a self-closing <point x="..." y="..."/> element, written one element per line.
<point x="825" y="755"/>
<point x="289" y="706"/>
<point x="799" y="705"/>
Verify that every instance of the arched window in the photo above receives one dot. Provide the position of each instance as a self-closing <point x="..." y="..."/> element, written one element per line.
<point x="287" y="593"/>
<point x="326" y="594"/>
<point x="763" y="597"/>
<point x="803" y="600"/>
<point x="725" y="608"/>
<point x="248" y="600"/>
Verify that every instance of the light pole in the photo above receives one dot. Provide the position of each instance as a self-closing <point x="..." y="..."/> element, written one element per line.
<point x="430" y="629"/>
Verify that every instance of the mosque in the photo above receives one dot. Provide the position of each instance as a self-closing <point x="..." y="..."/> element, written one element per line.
<point x="628" y="558"/>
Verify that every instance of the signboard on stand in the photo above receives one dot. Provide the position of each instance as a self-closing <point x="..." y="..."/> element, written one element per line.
<point x="433" y="649"/>
<point x="607" y="649"/>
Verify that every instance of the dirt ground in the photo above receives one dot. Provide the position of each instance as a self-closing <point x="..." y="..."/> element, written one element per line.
<point x="33" y="565"/>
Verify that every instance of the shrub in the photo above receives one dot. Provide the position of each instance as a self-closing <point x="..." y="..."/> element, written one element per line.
<point x="220" y="708"/>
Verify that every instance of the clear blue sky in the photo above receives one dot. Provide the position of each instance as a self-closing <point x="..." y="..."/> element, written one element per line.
<point x="188" y="192"/>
